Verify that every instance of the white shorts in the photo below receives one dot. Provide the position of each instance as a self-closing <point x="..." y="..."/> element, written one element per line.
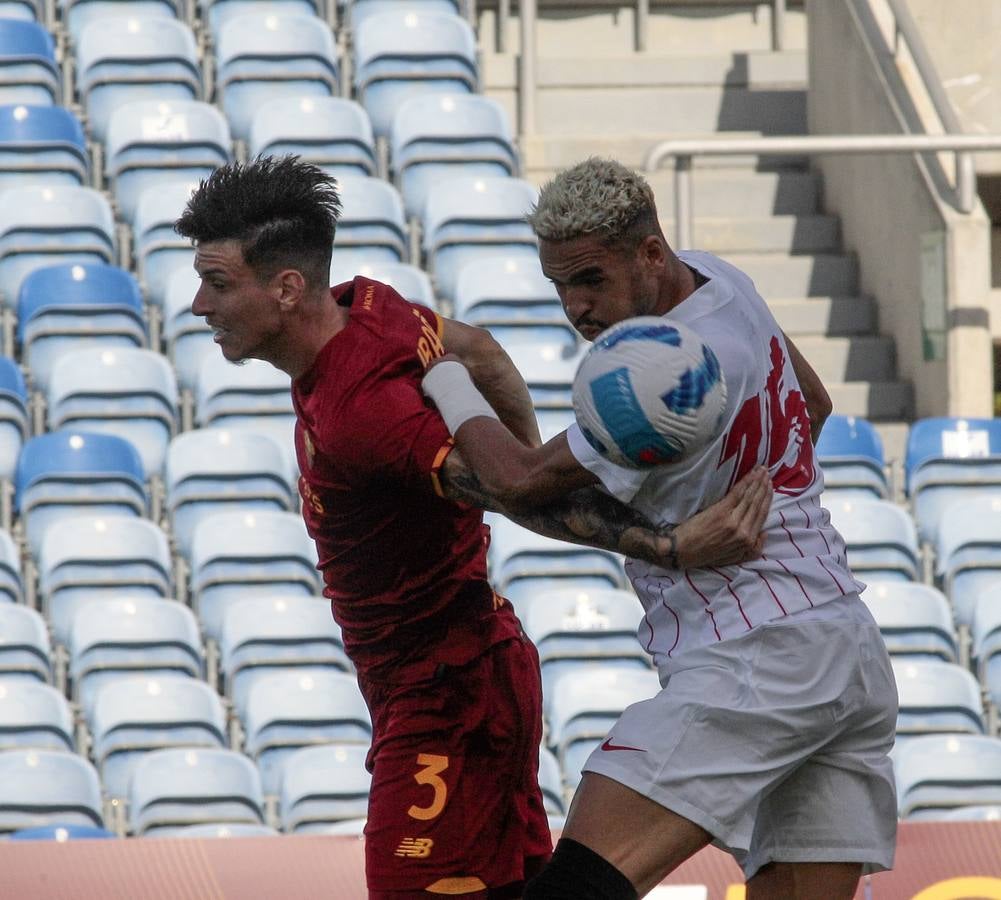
<point x="775" y="742"/>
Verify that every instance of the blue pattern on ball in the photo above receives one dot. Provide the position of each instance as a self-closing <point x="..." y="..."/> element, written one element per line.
<point x="693" y="385"/>
<point x="663" y="333"/>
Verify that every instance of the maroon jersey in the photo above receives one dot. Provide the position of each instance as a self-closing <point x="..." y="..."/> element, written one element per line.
<point x="404" y="567"/>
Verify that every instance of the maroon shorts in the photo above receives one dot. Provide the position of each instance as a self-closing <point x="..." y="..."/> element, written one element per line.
<point x="455" y="799"/>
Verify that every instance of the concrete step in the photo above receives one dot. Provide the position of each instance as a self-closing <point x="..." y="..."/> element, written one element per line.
<point x="869" y="357"/>
<point x="774" y="234"/>
<point x="874" y="400"/>
<point x="779" y="276"/>
<point x="742" y="194"/>
<point x="832" y="316"/>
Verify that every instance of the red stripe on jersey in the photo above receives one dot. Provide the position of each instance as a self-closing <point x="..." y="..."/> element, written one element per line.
<point x="800" y="583"/>
<point x="789" y="534"/>
<point x="829" y="572"/>
<point x="739" y="606"/>
<point x="770" y="591"/>
<point x="705" y="600"/>
<point x="677" y="621"/>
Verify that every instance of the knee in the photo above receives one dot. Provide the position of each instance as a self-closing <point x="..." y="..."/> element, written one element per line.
<point x="578" y="873"/>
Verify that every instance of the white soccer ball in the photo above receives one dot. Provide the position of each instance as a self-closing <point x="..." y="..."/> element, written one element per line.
<point x="648" y="392"/>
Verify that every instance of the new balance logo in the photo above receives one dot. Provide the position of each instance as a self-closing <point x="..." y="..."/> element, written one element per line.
<point x="608" y="745"/>
<point x="415" y="848"/>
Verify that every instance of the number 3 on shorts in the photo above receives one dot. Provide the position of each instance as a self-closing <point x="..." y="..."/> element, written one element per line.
<point x="433" y="765"/>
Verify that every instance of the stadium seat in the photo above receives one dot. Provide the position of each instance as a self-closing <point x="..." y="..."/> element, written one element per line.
<point x="914" y="619"/>
<point x="11" y="587"/>
<point x="322" y="785"/>
<point x="239" y="554"/>
<point x="585" y="704"/>
<point x="135" y="714"/>
<point x="217" y="13"/>
<point x="159" y="250"/>
<point x="87" y="557"/>
<point x="548" y="370"/>
<point x="217" y="830"/>
<point x="66" y="473"/>
<point x="29" y="72"/>
<point x="469" y="218"/>
<point x="333" y="133"/>
<point x="152" y="141"/>
<point x="936" y="773"/>
<point x="850" y="452"/>
<point x="400" y="54"/>
<point x="289" y="710"/>
<point x="122" y="59"/>
<point x="78" y="14"/>
<point x="272" y="55"/>
<point x="131" y="635"/>
<point x="25" y="10"/>
<point x="42" y="226"/>
<point x="47" y="787"/>
<point x="513" y="300"/>
<point x="61" y="833"/>
<point x="936" y="697"/>
<point x="968" y="552"/>
<point x="551" y="782"/>
<point x="372" y="227"/>
<point x="972" y="814"/>
<point x="126" y="391"/>
<point x="34" y="716"/>
<point x="25" y="650"/>
<point x="949" y="460"/>
<point x="880" y="536"/>
<point x="74" y="306"/>
<point x="41" y="145"/>
<point x="179" y="786"/>
<point x="985" y="639"/>
<point x="359" y="10"/>
<point x="262" y="634"/>
<point x="213" y="470"/>
<point x="187" y="336"/>
<point x="406" y="279"/>
<point x="14" y="424"/>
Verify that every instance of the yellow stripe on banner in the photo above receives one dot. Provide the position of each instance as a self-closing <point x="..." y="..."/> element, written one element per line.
<point x="736" y="892"/>
<point x="962" y="889"/>
<point x="456" y="885"/>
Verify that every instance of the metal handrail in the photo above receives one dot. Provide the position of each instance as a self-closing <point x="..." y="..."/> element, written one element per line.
<point x="684" y="151"/>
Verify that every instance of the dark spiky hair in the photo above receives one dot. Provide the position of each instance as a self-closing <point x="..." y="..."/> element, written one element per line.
<point x="282" y="211"/>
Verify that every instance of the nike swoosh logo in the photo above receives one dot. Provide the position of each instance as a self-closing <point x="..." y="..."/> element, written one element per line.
<point x="608" y="745"/>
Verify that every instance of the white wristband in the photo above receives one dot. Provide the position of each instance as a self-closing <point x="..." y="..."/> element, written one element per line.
<point x="457" y="398"/>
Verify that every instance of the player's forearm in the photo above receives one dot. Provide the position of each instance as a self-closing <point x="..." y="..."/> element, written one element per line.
<point x="818" y="401"/>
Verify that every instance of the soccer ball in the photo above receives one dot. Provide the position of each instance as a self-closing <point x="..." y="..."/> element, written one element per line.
<point x="648" y="392"/>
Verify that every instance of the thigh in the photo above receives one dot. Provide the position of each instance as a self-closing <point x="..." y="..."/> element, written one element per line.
<point x="805" y="881"/>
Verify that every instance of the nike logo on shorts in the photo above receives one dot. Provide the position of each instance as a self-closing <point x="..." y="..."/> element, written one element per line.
<point x="608" y="745"/>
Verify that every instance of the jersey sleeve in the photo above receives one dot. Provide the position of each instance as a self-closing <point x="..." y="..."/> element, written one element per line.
<point x="620" y="482"/>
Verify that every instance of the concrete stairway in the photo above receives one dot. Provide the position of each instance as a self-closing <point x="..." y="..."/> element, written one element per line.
<point x="706" y="72"/>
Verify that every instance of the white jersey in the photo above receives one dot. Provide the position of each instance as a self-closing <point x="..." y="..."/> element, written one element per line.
<point x="803" y="564"/>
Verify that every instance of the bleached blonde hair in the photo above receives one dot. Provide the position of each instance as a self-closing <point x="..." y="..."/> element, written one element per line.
<point x="596" y="196"/>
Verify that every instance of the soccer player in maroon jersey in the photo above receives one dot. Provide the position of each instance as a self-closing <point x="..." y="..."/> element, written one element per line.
<point x="451" y="682"/>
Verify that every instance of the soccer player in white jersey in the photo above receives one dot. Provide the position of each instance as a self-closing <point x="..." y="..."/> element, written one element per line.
<point x="778" y="705"/>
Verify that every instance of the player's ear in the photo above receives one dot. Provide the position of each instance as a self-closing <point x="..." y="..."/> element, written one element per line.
<point x="291" y="286"/>
<point x="652" y="251"/>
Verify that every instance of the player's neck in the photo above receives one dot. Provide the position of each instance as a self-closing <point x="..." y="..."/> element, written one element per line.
<point x="312" y="330"/>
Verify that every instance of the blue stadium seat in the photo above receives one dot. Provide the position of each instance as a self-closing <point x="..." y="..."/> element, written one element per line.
<point x="66" y="473"/>
<point x="78" y="14"/>
<point x="125" y="391"/>
<point x="554" y="797"/>
<point x="400" y="54"/>
<point x="41" y="145"/>
<point x="513" y="300"/>
<point x="880" y="537"/>
<point x="936" y="697"/>
<point x="262" y="634"/>
<point x="74" y="306"/>
<point x="29" y="72"/>
<point x="585" y="704"/>
<point x="239" y="554"/>
<point x="213" y="470"/>
<point x="47" y="787"/>
<point x="14" y="425"/>
<point x="359" y="10"/>
<point x="25" y="650"/>
<point x="217" y="13"/>
<point x="469" y="218"/>
<point x="322" y="785"/>
<point x="372" y="227"/>
<point x="333" y="133"/>
<point x="151" y="141"/>
<point x="130" y="635"/>
<point x="159" y="250"/>
<point x="188" y="337"/>
<point x="548" y="370"/>
<point x="936" y="773"/>
<point x="11" y="587"/>
<point x="188" y="786"/>
<point x="438" y="136"/>
<point x="950" y="460"/>
<point x="34" y="716"/>
<point x="41" y="226"/>
<point x="135" y="714"/>
<point x="968" y="552"/>
<point x="87" y="557"/>
<point x="61" y="833"/>
<point x="850" y="452"/>
<point x="406" y="279"/>
<point x="914" y="619"/>
<point x="269" y="56"/>
<point x="25" y="10"/>
<point x="120" y="60"/>
<point x="289" y="710"/>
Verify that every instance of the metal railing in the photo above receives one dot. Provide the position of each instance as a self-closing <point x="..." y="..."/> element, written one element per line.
<point x="684" y="151"/>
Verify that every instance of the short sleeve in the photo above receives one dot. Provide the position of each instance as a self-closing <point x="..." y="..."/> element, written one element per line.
<point x="620" y="482"/>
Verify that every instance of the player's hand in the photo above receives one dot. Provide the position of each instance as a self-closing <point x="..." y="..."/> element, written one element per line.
<point x="729" y="531"/>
